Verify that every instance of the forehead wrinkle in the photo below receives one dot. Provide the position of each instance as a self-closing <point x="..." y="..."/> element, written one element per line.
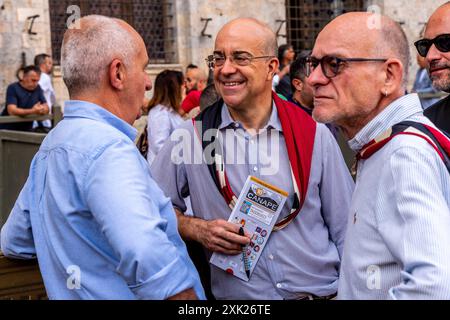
<point x="255" y="36"/>
<point x="339" y="38"/>
<point x="439" y="22"/>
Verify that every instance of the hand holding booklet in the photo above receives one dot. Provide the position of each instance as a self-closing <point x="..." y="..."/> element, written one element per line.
<point x="257" y="210"/>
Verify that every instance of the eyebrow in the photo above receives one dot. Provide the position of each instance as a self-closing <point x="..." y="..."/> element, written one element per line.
<point x="234" y="52"/>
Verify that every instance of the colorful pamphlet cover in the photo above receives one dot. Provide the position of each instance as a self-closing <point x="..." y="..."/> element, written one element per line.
<point x="257" y="210"/>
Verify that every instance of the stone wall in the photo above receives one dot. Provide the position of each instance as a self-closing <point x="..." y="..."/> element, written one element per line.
<point x="192" y="47"/>
<point x="15" y="40"/>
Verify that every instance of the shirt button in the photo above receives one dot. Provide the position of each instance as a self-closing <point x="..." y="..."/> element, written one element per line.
<point x="255" y="169"/>
<point x="271" y="257"/>
<point x="236" y="125"/>
<point x="279" y="285"/>
<point x="252" y="141"/>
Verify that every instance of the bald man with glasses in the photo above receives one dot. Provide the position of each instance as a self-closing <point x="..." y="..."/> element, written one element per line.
<point x="398" y="231"/>
<point x="258" y="134"/>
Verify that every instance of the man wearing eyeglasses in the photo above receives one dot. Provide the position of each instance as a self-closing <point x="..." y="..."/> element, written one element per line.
<point x="301" y="258"/>
<point x="398" y="231"/>
<point x="435" y="48"/>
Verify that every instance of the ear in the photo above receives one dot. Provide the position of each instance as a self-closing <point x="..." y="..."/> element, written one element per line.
<point x="273" y="68"/>
<point x="117" y="74"/>
<point x="393" y="81"/>
<point x="298" y="84"/>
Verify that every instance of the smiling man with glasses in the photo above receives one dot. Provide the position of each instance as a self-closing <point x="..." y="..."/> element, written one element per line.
<point x="301" y="258"/>
<point x="396" y="246"/>
<point x="435" y="48"/>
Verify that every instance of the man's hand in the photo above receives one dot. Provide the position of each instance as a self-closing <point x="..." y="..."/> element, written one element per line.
<point x="215" y="235"/>
<point x="40" y="108"/>
<point x="222" y="236"/>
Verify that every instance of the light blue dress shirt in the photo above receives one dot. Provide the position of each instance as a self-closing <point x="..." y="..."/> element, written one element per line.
<point x="398" y="233"/>
<point x="99" y="225"/>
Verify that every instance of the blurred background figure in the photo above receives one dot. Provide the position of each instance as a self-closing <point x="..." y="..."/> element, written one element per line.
<point x="282" y="83"/>
<point x="196" y="81"/>
<point x="23" y="98"/>
<point x="45" y="63"/>
<point x="164" y="110"/>
<point x="302" y="93"/>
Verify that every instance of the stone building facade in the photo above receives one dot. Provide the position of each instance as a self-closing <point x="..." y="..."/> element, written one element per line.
<point x="26" y="29"/>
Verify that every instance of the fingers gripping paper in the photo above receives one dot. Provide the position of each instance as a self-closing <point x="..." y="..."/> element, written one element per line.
<point x="257" y="210"/>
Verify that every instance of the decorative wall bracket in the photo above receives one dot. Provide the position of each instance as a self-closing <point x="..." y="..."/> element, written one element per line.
<point x="279" y="28"/>
<point x="206" y="20"/>
<point x="30" y="28"/>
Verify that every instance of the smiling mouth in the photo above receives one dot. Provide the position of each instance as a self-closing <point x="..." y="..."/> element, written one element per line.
<point x="231" y="84"/>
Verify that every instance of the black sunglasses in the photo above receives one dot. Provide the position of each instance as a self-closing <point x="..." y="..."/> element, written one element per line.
<point x="442" y="43"/>
<point x="331" y="66"/>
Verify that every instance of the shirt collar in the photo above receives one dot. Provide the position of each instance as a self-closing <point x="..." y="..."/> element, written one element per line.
<point x="84" y="109"/>
<point x="397" y="111"/>
<point x="228" y="122"/>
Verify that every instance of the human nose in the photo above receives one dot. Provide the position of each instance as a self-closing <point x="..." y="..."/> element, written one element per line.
<point x="228" y="66"/>
<point x="433" y="54"/>
<point x="317" y="77"/>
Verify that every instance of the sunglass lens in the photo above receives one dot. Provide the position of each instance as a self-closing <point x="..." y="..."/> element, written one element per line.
<point x="423" y="46"/>
<point x="443" y="43"/>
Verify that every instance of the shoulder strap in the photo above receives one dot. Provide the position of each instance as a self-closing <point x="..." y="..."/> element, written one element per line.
<point x="210" y="118"/>
<point x="299" y="131"/>
<point x="440" y="141"/>
<point x="437" y="139"/>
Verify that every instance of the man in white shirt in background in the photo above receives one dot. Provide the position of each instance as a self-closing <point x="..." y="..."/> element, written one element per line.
<point x="45" y="62"/>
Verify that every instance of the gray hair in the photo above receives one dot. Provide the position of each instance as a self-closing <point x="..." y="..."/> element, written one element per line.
<point x="86" y="52"/>
<point x="395" y="41"/>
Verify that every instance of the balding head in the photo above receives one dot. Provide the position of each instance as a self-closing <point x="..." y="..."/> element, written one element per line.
<point x="351" y="93"/>
<point x="439" y="17"/>
<point x="88" y="50"/>
<point x="256" y="28"/>
<point x="247" y="51"/>
<point x="372" y="35"/>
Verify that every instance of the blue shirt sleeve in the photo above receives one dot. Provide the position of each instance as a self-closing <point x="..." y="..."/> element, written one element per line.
<point x="141" y="229"/>
<point x="16" y="235"/>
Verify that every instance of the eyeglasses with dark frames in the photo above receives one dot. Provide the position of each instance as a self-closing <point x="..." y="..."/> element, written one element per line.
<point x="238" y="58"/>
<point x="442" y="43"/>
<point x="331" y="66"/>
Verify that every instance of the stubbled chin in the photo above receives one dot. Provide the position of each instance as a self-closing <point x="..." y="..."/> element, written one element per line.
<point x="321" y="115"/>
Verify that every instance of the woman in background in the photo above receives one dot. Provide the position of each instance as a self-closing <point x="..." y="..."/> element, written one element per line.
<point x="164" y="111"/>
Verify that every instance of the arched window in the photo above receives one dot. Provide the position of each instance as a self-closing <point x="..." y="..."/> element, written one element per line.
<point x="153" y="19"/>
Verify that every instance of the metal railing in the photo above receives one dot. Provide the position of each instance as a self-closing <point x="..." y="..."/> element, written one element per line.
<point x="55" y="117"/>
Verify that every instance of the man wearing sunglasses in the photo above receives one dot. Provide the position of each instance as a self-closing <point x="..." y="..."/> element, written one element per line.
<point x="435" y="48"/>
<point x="398" y="231"/>
<point x="301" y="258"/>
